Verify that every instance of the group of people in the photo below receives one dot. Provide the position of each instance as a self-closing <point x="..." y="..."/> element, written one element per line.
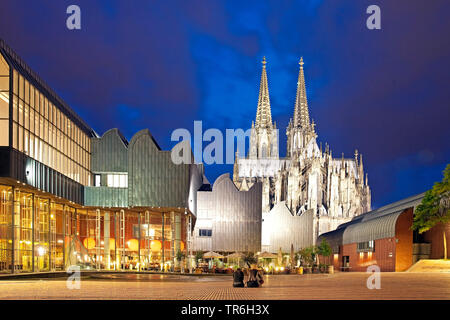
<point x="254" y="278"/>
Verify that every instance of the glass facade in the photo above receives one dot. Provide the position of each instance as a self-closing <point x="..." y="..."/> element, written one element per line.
<point x="43" y="132"/>
<point x="50" y="236"/>
<point x="125" y="240"/>
<point x="6" y="201"/>
<point x="4" y="102"/>
<point x="42" y="232"/>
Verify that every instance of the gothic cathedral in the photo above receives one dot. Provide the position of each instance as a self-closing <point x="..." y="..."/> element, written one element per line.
<point x="309" y="178"/>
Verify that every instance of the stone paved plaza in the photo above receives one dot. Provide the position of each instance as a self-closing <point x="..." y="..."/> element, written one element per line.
<point x="173" y="287"/>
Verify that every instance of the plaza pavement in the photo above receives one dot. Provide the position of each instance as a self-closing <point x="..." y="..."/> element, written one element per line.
<point x="176" y="287"/>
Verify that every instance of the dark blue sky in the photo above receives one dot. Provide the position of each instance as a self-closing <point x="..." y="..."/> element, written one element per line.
<point x="163" y="64"/>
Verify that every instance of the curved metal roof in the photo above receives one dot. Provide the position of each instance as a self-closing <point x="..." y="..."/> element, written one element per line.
<point x="334" y="239"/>
<point x="371" y="229"/>
<point x="373" y="225"/>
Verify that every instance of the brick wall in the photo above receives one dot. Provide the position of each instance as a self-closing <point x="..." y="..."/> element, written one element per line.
<point x="404" y="241"/>
<point x="434" y="236"/>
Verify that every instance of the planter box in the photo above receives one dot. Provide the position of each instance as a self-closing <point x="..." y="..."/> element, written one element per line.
<point x="198" y="270"/>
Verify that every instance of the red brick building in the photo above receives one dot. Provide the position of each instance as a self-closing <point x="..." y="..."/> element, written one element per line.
<point x="383" y="237"/>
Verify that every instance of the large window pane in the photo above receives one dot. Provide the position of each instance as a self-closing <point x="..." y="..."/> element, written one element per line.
<point x="32" y="120"/>
<point x="27" y="117"/>
<point x="41" y="104"/>
<point x="15" y="133"/>
<point x="37" y="100"/>
<point x="36" y="148"/>
<point x="41" y="127"/>
<point x="4" y="68"/>
<point x="27" y="92"/>
<point x="4" y="83"/>
<point x="20" y="138"/>
<point x="4" y="132"/>
<point x="15" y="83"/>
<point x="25" y="144"/>
<point x="15" y="107"/>
<point x="32" y="145"/>
<point x="21" y="112"/>
<point x="4" y="105"/>
<point x="45" y="114"/>
<point x="31" y="96"/>
<point x="20" y="87"/>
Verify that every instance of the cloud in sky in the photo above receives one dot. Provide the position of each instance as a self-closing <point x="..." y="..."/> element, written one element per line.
<point x="162" y="65"/>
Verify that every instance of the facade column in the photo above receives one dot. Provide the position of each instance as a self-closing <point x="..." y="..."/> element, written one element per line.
<point x="33" y="213"/>
<point x="139" y="241"/>
<point x="116" y="259"/>
<point x="163" y="243"/>
<point x="122" y="238"/>
<point x="177" y="234"/>
<point x="64" y="235"/>
<point x="50" y="235"/>
<point x="106" y="232"/>
<point x="13" y="229"/>
<point x="172" y="239"/>
<point x="189" y="241"/>
<point x="98" y="239"/>
<point x="77" y="231"/>
<point x="147" y="238"/>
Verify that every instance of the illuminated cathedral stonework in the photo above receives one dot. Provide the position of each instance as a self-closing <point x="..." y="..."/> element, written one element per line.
<point x="309" y="178"/>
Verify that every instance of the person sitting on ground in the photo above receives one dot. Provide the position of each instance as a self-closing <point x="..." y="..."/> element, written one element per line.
<point x="254" y="279"/>
<point x="238" y="278"/>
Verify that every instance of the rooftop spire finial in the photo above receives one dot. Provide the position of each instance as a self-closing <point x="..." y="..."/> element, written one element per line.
<point x="264" y="61"/>
<point x="301" y="112"/>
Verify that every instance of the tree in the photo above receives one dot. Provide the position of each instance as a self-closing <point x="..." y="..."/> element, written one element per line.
<point x="198" y="256"/>
<point x="435" y="207"/>
<point x="323" y="249"/>
<point x="307" y="255"/>
<point x="180" y="255"/>
<point x="249" y="258"/>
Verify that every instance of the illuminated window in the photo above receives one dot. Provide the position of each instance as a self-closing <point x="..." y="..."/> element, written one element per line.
<point x="97" y="180"/>
<point x="205" y="232"/>
<point x="20" y="139"/>
<point x="4" y="105"/>
<point x="21" y="112"/>
<point x="366" y="246"/>
<point x="20" y="87"/>
<point x="15" y="108"/>
<point x="27" y="92"/>
<point x="4" y="132"/>
<point x="117" y="180"/>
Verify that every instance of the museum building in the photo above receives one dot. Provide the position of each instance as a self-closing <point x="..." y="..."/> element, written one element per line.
<point x="384" y="237"/>
<point x="71" y="197"/>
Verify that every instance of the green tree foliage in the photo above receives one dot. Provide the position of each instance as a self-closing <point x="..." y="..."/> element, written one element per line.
<point x="180" y="255"/>
<point x="307" y="255"/>
<point x="249" y="258"/>
<point x="324" y="249"/>
<point x="435" y="207"/>
<point x="198" y="255"/>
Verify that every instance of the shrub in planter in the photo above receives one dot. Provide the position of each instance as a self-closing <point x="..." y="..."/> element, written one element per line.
<point x="323" y="268"/>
